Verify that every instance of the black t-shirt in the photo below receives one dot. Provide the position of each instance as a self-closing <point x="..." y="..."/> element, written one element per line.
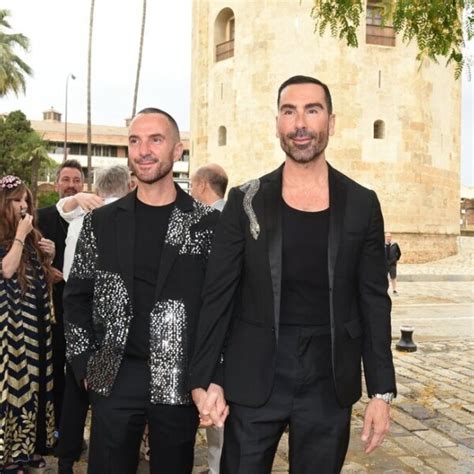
<point x="305" y="280"/>
<point x="151" y="224"/>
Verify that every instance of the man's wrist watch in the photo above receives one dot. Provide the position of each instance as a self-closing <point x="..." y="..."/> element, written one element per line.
<point x="386" y="397"/>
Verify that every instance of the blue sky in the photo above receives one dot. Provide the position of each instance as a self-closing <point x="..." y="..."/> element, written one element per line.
<point x="58" y="31"/>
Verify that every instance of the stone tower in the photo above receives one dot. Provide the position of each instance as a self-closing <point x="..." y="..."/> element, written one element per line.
<point x="397" y="122"/>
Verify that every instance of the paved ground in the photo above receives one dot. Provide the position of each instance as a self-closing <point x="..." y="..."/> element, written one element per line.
<point x="433" y="416"/>
<point x="458" y="267"/>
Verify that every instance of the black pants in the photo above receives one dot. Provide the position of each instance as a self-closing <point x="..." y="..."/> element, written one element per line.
<point x="302" y="398"/>
<point x="59" y="360"/>
<point x="71" y="427"/>
<point x="118" y="422"/>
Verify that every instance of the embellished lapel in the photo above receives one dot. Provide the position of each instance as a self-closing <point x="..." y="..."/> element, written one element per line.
<point x="126" y="239"/>
<point x="183" y="206"/>
<point x="272" y="187"/>
<point x="337" y="203"/>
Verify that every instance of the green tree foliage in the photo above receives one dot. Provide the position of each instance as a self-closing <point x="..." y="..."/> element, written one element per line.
<point x="22" y="151"/>
<point x="47" y="199"/>
<point x="440" y="27"/>
<point x="37" y="156"/>
<point x="12" y="68"/>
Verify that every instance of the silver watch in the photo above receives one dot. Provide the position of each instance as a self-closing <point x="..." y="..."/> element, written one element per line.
<point x="386" y="397"/>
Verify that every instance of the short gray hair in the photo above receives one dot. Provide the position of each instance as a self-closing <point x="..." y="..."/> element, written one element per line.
<point x="113" y="181"/>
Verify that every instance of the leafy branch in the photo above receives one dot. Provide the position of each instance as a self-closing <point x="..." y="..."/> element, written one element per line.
<point x="441" y="28"/>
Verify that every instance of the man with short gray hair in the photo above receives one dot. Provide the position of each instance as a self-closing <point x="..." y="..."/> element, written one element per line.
<point x="208" y="185"/>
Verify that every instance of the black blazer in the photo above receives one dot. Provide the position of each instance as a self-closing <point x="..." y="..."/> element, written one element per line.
<point x="98" y="299"/>
<point x="54" y="227"/>
<point x="241" y="296"/>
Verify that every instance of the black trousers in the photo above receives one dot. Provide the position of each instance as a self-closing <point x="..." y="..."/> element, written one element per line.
<point x="59" y="360"/>
<point x="71" y="426"/>
<point x="303" y="398"/>
<point x="118" y="422"/>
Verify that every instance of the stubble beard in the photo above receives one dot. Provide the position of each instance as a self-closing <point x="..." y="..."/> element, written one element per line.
<point x="308" y="152"/>
<point x="162" y="171"/>
<point x="68" y="192"/>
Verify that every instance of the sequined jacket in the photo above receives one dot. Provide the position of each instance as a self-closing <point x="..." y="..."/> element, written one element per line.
<point x="98" y="299"/>
<point x="239" y="322"/>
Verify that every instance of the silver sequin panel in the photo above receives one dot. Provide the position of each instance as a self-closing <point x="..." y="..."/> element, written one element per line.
<point x="168" y="353"/>
<point x="112" y="312"/>
<point x="78" y="340"/>
<point x="85" y="257"/>
<point x="181" y="234"/>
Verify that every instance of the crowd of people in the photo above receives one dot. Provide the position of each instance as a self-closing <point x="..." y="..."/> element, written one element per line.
<point x="164" y="311"/>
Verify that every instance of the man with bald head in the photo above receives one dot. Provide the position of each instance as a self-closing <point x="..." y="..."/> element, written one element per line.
<point x="208" y="185"/>
<point x="131" y="304"/>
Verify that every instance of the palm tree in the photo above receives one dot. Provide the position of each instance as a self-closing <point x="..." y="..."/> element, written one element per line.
<point x="12" y="68"/>
<point x="89" y="123"/>
<point x="36" y="155"/>
<point x="139" y="64"/>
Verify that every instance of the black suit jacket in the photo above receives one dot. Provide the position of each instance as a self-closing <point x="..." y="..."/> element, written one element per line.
<point x="98" y="298"/>
<point x="241" y="296"/>
<point x="54" y="227"/>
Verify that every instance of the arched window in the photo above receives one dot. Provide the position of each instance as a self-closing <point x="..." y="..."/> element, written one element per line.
<point x="224" y="33"/>
<point x="379" y="129"/>
<point x="222" y="136"/>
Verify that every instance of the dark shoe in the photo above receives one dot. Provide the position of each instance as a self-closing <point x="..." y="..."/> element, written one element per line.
<point x="65" y="466"/>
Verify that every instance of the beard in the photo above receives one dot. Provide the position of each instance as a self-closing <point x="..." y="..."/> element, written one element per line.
<point x="68" y="192"/>
<point x="154" y="175"/>
<point x="307" y="152"/>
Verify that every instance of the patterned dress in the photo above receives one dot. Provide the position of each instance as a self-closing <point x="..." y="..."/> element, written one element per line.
<point x="26" y="372"/>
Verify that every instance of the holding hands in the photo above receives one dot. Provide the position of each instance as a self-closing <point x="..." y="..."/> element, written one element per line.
<point x="211" y="404"/>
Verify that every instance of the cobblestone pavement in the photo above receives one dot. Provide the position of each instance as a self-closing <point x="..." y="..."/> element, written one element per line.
<point x="433" y="415"/>
<point x="460" y="266"/>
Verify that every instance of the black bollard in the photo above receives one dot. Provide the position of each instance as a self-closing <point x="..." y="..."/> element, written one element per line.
<point x="406" y="344"/>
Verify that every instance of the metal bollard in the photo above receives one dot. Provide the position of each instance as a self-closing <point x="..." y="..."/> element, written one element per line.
<point x="406" y="344"/>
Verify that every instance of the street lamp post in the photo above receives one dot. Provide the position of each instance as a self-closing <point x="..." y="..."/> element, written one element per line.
<point x="73" y="77"/>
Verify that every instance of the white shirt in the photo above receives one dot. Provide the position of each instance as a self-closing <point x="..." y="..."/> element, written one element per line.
<point x="75" y="219"/>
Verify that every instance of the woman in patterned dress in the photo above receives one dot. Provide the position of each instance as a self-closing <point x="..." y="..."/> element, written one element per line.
<point x="26" y="382"/>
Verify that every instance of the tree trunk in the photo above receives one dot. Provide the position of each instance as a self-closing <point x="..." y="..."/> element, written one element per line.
<point x="139" y="64"/>
<point x="89" y="123"/>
